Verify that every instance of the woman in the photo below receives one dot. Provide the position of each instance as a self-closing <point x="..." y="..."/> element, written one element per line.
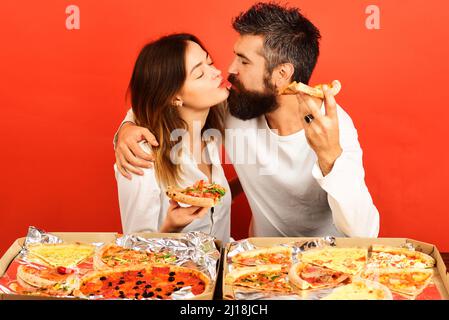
<point x="174" y="85"/>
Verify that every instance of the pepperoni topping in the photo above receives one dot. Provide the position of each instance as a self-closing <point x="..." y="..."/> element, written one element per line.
<point x="158" y="282"/>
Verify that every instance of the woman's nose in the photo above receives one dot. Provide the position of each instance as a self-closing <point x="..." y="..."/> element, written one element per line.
<point x="215" y="72"/>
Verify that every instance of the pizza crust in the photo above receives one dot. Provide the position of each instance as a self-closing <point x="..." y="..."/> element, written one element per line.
<point x="33" y="279"/>
<point x="28" y="287"/>
<point x="177" y="195"/>
<point x="63" y="286"/>
<point x="293" y="276"/>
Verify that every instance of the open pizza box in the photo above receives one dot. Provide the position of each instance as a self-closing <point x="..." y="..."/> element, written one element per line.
<point x="440" y="277"/>
<point x="91" y="237"/>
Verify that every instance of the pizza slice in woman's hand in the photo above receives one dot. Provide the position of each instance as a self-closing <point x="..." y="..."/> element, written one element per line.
<point x="201" y="194"/>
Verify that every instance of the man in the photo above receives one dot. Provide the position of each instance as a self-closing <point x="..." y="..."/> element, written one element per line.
<point x="313" y="183"/>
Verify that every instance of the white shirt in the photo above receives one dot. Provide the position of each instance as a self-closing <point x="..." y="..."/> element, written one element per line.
<point x="286" y="190"/>
<point x="143" y="202"/>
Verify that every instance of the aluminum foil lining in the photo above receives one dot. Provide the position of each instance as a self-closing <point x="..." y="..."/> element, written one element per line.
<point x="194" y="247"/>
<point x="36" y="235"/>
<point x="298" y="246"/>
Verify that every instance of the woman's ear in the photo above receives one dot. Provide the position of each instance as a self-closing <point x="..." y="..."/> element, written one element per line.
<point x="283" y="74"/>
<point x="177" y="102"/>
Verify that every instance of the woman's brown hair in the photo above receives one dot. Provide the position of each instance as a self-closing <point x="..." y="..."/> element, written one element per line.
<point x="158" y="75"/>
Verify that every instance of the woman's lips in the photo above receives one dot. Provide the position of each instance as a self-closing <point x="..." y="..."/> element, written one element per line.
<point x="225" y="84"/>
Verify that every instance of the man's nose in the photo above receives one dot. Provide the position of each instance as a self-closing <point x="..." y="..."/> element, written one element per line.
<point x="232" y="68"/>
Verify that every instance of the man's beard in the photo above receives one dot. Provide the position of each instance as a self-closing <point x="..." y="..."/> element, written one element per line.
<point x="245" y="104"/>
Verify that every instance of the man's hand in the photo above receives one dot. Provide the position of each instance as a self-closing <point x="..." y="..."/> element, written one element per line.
<point x="322" y="132"/>
<point x="129" y="156"/>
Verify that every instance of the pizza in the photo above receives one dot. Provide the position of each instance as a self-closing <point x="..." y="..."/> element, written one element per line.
<point x="46" y="281"/>
<point x="360" y="290"/>
<point x="273" y="255"/>
<point x="307" y="276"/>
<point x="388" y="257"/>
<point x="410" y="282"/>
<point x="201" y="194"/>
<point x="316" y="91"/>
<point x="158" y="281"/>
<point x="269" y="277"/>
<point x="346" y="260"/>
<point x="59" y="255"/>
<point x="114" y="256"/>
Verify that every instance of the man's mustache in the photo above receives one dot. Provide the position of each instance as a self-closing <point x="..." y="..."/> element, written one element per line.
<point x="236" y="84"/>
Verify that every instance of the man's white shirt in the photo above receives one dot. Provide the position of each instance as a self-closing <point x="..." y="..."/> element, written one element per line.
<point x="286" y="190"/>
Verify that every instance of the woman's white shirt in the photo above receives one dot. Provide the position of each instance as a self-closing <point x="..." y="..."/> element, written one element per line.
<point x="143" y="202"/>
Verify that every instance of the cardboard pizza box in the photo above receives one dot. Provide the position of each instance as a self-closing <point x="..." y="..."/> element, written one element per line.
<point x="90" y="237"/>
<point x="441" y="275"/>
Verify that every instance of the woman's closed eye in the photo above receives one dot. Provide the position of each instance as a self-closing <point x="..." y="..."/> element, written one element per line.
<point x="202" y="73"/>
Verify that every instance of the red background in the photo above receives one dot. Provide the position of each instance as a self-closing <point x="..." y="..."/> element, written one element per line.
<point x="63" y="96"/>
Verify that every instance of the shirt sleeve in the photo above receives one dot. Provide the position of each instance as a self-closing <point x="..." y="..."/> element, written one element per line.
<point x="352" y="207"/>
<point x="128" y="118"/>
<point x="139" y="201"/>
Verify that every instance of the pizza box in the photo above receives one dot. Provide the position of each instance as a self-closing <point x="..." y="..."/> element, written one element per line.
<point x="441" y="275"/>
<point x="90" y="237"/>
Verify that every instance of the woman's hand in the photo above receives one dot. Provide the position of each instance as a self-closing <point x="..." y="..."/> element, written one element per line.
<point x="178" y="217"/>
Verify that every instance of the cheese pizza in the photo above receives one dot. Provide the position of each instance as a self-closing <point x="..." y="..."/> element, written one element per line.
<point x="346" y="260"/>
<point x="360" y="290"/>
<point x="56" y="255"/>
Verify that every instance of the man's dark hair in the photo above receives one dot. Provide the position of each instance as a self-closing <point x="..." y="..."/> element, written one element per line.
<point x="289" y="37"/>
